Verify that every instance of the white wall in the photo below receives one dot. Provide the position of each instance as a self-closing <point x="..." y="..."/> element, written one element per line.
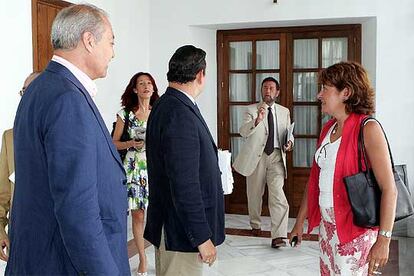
<point x="395" y="75"/>
<point x="387" y="39"/>
<point x="16" y="58"/>
<point x="130" y="22"/>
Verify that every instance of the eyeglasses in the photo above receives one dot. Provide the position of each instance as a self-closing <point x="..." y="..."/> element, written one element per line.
<point x="322" y="149"/>
<point x="21" y="92"/>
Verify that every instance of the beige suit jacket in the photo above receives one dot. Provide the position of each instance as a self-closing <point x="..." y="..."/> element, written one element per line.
<point x="255" y="138"/>
<point x="6" y="186"/>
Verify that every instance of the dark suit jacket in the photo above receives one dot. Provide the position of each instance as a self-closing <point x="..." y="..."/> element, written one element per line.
<point x="69" y="212"/>
<point x="185" y="192"/>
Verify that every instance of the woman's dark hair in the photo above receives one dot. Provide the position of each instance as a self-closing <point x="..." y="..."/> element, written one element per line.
<point x="129" y="100"/>
<point x="185" y="64"/>
<point x="353" y="76"/>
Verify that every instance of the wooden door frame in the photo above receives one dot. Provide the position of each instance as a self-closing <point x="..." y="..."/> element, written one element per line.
<point x="35" y="3"/>
<point x="286" y="72"/>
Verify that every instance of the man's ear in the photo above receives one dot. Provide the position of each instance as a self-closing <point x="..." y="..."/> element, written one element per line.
<point x="200" y="76"/>
<point x="277" y="92"/>
<point x="88" y="41"/>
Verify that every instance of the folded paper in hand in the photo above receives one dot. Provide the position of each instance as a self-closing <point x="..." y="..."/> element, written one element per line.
<point x="224" y="160"/>
<point x="289" y="133"/>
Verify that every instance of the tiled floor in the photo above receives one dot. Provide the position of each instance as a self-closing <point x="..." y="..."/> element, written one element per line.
<point x="253" y="256"/>
<point x="242" y="256"/>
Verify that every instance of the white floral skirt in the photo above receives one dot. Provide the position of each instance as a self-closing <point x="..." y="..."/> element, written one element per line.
<point x="342" y="259"/>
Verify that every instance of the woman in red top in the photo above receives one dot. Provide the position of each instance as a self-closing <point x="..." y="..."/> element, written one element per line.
<point x="345" y="248"/>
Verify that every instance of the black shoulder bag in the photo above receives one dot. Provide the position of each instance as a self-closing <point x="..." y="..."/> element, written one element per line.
<point x="125" y="135"/>
<point x="364" y="193"/>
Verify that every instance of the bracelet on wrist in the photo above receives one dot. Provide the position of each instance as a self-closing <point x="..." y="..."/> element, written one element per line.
<point x="384" y="233"/>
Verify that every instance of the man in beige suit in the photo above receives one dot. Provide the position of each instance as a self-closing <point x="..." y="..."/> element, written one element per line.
<point x="6" y="185"/>
<point x="262" y="159"/>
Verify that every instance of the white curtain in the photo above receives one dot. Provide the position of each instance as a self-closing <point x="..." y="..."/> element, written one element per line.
<point x="334" y="50"/>
<point x="240" y="87"/>
<point x="236" y="117"/>
<point x="240" y="55"/>
<point x="267" y="54"/>
<point x="306" y="120"/>
<point x="303" y="152"/>
<point x="236" y="143"/>
<point x="305" y="87"/>
<point x="240" y="59"/>
<point x="305" y="53"/>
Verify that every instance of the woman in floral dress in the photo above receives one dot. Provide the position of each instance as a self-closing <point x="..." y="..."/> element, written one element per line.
<point x="137" y="100"/>
<point x="345" y="248"/>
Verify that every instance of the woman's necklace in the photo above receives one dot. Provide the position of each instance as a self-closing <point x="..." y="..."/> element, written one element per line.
<point x="335" y="129"/>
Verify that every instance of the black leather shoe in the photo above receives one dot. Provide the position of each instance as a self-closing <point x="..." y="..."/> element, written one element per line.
<point x="278" y="242"/>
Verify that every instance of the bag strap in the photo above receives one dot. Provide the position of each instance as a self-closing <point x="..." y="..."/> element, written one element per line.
<point x="361" y="144"/>
<point x="126" y="122"/>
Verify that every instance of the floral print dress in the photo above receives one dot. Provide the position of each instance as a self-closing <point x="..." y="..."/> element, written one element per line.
<point x="135" y="164"/>
<point x="336" y="258"/>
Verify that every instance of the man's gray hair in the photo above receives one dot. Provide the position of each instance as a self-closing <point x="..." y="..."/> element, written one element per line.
<point x="72" y="22"/>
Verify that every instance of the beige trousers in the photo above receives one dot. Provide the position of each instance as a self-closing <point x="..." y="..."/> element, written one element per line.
<point x="168" y="263"/>
<point x="269" y="170"/>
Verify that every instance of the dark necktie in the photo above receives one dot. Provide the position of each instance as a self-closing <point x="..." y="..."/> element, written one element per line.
<point x="270" y="143"/>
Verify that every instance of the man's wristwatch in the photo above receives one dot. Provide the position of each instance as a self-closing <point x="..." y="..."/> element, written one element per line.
<point x="384" y="233"/>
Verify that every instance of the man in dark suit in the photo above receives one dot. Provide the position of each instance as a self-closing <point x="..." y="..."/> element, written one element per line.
<point x="185" y="213"/>
<point x="69" y="208"/>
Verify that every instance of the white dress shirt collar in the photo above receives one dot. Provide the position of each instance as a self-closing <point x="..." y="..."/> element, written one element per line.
<point x="188" y="95"/>
<point x="84" y="79"/>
